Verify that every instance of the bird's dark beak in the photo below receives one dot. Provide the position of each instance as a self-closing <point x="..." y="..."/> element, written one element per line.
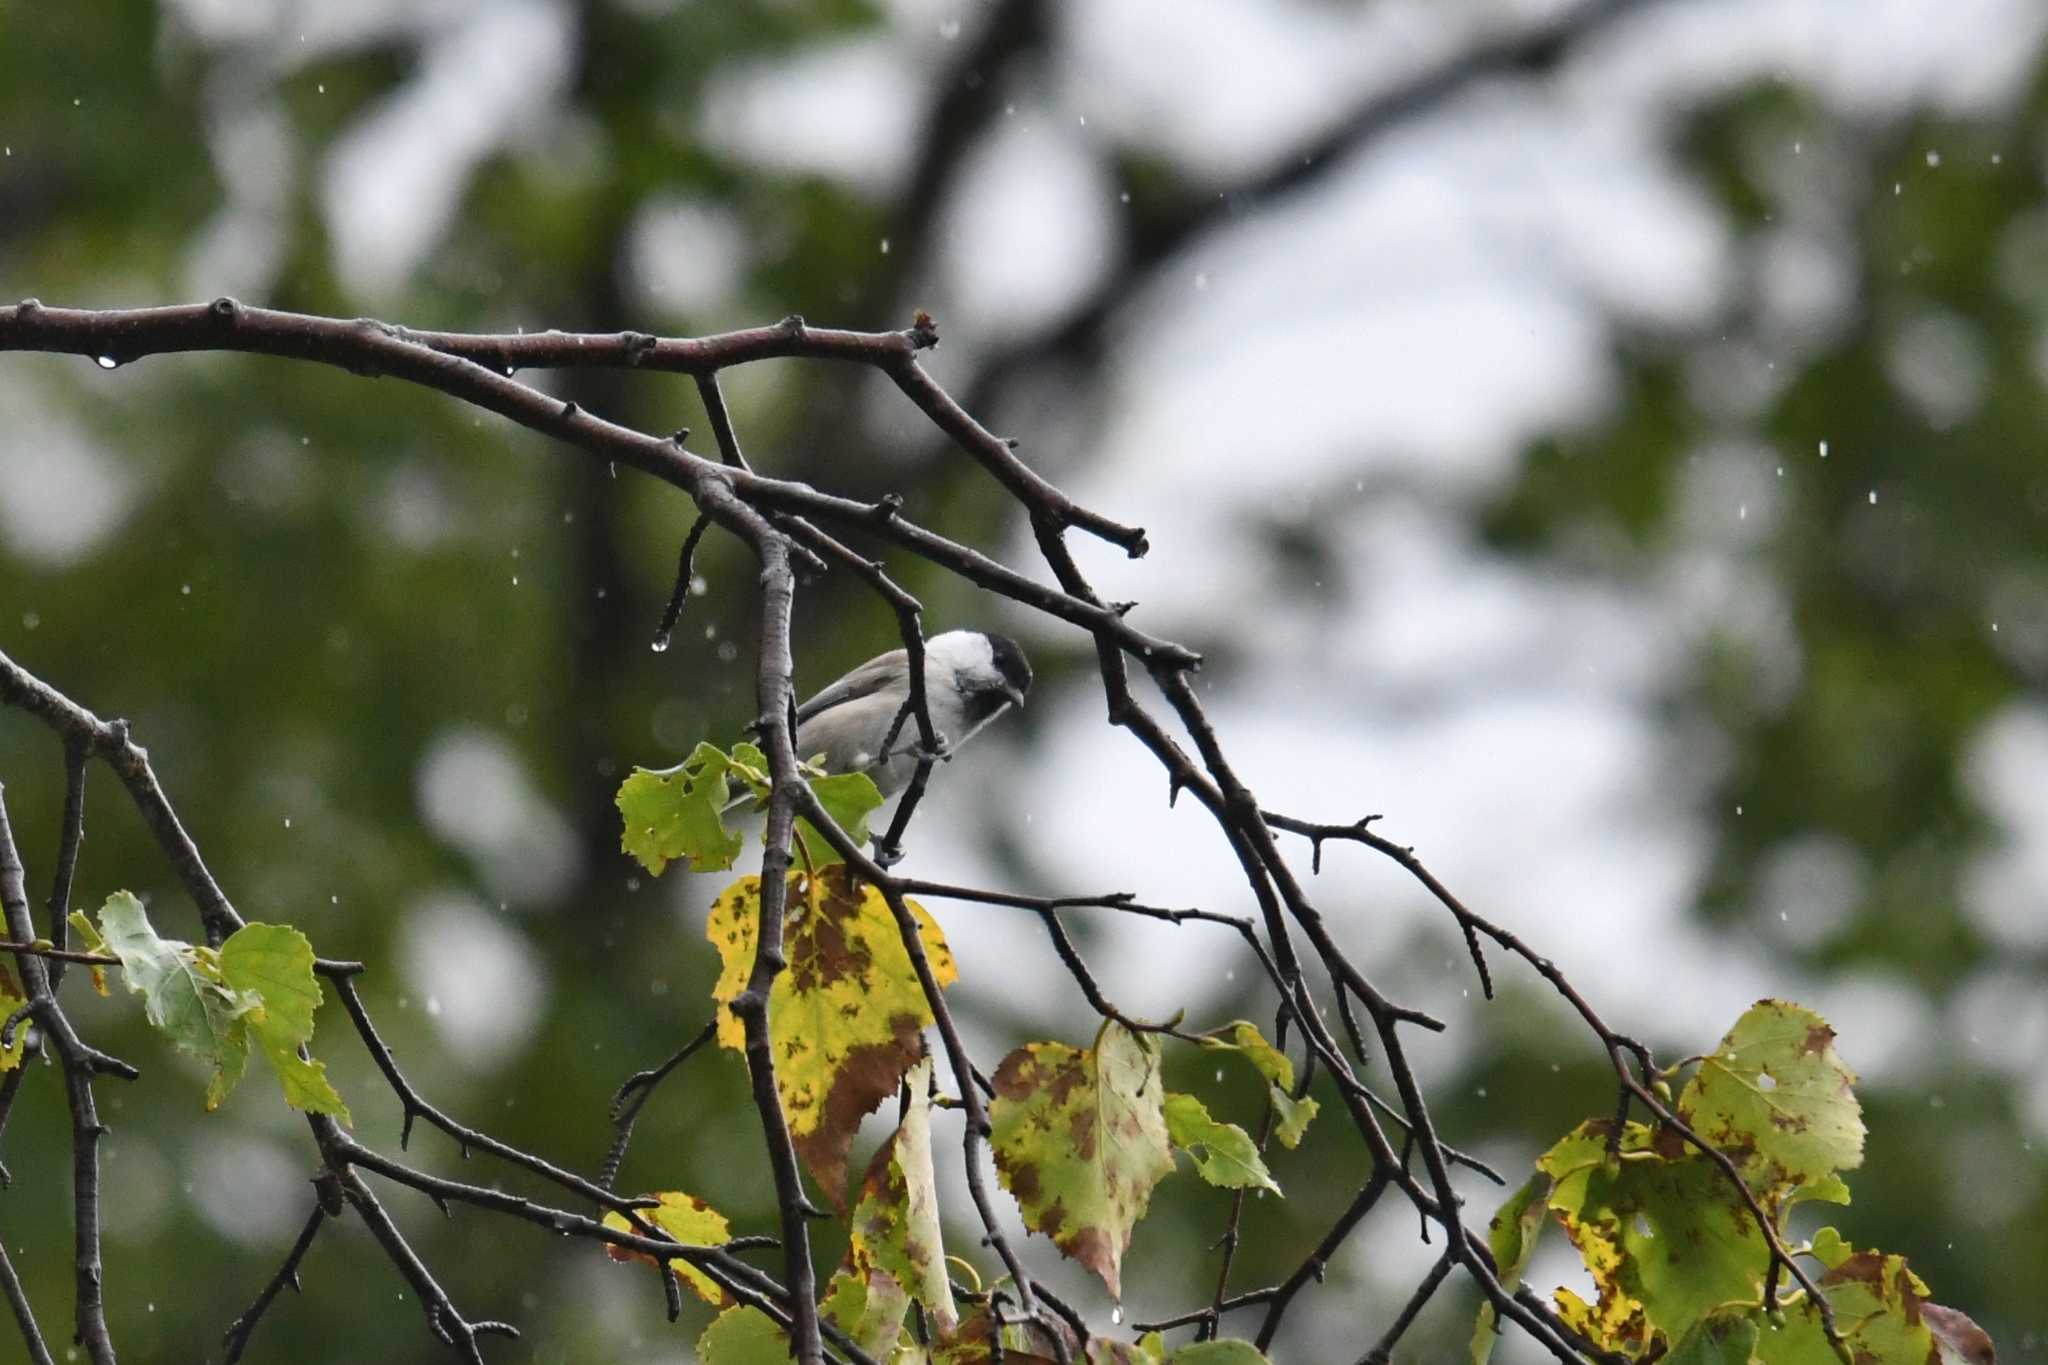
<point x="1015" y="694"/>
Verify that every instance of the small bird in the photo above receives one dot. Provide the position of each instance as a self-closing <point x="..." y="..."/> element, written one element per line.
<point x="970" y="678"/>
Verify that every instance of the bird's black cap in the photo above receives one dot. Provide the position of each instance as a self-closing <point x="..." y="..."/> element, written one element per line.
<point x="1009" y="660"/>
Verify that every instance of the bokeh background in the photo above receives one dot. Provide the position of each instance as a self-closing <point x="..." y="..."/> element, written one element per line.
<point x="1604" y="439"/>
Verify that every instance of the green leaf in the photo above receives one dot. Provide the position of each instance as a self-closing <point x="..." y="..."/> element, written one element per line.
<point x="690" y="1221"/>
<point x="1878" y="1303"/>
<point x="1080" y="1140"/>
<point x="1511" y="1237"/>
<point x="272" y="964"/>
<point x="743" y="1336"/>
<point x="1243" y="1036"/>
<point x="1665" y="1234"/>
<point x="848" y="798"/>
<point x="1830" y="1189"/>
<point x="895" y="1229"/>
<point x="750" y="766"/>
<point x="847" y="1015"/>
<point x="1723" y="1339"/>
<point x="1217" y="1353"/>
<point x="869" y="1308"/>
<point x="182" y="995"/>
<point x="679" y="813"/>
<point x="1224" y="1153"/>
<point x="89" y="935"/>
<point x="1294" y="1115"/>
<point x="1775" y="1097"/>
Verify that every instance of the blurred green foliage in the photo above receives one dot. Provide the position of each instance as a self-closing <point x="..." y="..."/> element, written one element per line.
<point x="323" y="574"/>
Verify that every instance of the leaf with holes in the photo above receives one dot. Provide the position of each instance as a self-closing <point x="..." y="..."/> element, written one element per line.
<point x="690" y="1221"/>
<point x="1224" y="1153"/>
<point x="679" y="813"/>
<point x="845" y="1019"/>
<point x="1663" y="1230"/>
<point x="1080" y="1140"/>
<point x="896" y="1224"/>
<point x="1776" y="1098"/>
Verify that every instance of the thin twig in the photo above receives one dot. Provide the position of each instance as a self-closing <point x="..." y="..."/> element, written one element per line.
<point x="632" y="1097"/>
<point x="236" y="1339"/>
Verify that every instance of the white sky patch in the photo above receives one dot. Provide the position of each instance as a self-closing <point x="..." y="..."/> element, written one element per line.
<point x="475" y="793"/>
<point x="239" y="250"/>
<point x="686" y="254"/>
<point x="247" y="1188"/>
<point x="479" y="982"/>
<point x="1865" y="57"/>
<point x="2007" y="885"/>
<point x="61" y="494"/>
<point x="1029" y="231"/>
<point x="849" y="110"/>
<point x="1223" y="86"/>
<point x="395" y="180"/>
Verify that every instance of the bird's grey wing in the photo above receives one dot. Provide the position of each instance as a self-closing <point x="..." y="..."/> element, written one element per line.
<point x="872" y="676"/>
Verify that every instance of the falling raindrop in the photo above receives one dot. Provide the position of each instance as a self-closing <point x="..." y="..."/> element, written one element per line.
<point x="1823" y="450"/>
<point x="1933" y="158"/>
<point x="885" y="246"/>
<point x="660" y="645"/>
<point x="1873" y="497"/>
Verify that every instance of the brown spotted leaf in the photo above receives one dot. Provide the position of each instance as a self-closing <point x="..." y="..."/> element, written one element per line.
<point x="1776" y="1098"/>
<point x="1663" y="1230"/>
<point x="1879" y="1305"/>
<point x="845" y="1019"/>
<point x="1080" y="1140"/>
<point x="896" y="1223"/>
<point x="870" y="1309"/>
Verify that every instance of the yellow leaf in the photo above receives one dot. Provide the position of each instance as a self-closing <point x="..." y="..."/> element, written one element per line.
<point x="690" y="1221"/>
<point x="845" y="1019"/>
